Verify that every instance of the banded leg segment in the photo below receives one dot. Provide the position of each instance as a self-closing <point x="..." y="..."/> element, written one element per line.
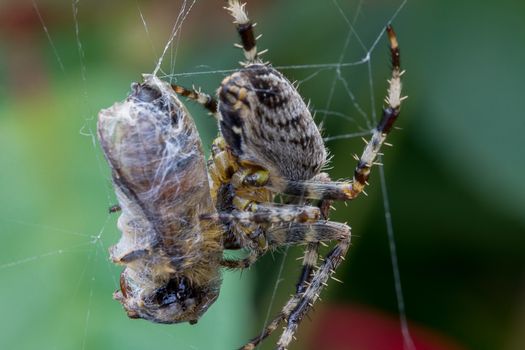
<point x="303" y="303"/>
<point x="311" y="252"/>
<point x="390" y="113"/>
<point x="311" y="255"/>
<point x="361" y="174"/>
<point x="200" y="97"/>
<point x="245" y="29"/>
<point x="300" y="233"/>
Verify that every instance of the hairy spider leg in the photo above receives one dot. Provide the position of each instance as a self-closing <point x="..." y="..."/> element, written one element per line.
<point x="300" y="303"/>
<point x="306" y="300"/>
<point x="245" y="29"/>
<point x="279" y="230"/>
<point x="225" y="168"/>
<point x="311" y="252"/>
<point x="349" y="190"/>
<point x="262" y="215"/>
<point x="207" y="101"/>
<point x="269" y="214"/>
<point x="310" y="259"/>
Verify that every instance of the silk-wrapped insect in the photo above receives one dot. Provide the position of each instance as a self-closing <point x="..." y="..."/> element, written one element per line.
<point x="171" y="257"/>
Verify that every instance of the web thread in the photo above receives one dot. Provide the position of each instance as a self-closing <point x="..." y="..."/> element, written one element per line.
<point x="94" y="243"/>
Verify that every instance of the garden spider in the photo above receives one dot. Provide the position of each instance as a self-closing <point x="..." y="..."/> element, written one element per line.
<point x="270" y="145"/>
<point x="179" y="216"/>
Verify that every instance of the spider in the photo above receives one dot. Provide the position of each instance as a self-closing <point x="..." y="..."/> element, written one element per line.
<point x="269" y="144"/>
<point x="179" y="215"/>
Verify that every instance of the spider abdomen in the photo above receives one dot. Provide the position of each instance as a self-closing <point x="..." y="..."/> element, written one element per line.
<point x="265" y="121"/>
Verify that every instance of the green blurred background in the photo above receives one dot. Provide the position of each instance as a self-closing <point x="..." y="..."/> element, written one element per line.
<point x="454" y="176"/>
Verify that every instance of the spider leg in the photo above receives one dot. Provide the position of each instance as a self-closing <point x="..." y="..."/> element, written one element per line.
<point x="305" y="301"/>
<point x="262" y="215"/>
<point x="311" y="252"/>
<point x="200" y="97"/>
<point x="245" y="29"/>
<point x="298" y="233"/>
<point x="271" y="214"/>
<point x="221" y="166"/>
<point x="272" y="326"/>
<point x="335" y="257"/>
<point x="349" y="190"/>
<point x="268" y="214"/>
<point x="311" y="255"/>
<point x="302" y="301"/>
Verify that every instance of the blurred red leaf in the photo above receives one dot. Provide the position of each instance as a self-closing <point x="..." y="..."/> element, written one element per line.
<point x="357" y="327"/>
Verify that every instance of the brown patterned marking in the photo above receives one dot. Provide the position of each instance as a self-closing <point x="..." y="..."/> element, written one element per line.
<point x="267" y="84"/>
<point x="242" y="94"/>
<point x="231" y="108"/>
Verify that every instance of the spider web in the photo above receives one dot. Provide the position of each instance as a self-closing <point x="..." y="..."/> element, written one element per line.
<point x="60" y="273"/>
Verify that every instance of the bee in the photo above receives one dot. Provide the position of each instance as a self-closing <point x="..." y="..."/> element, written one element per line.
<point x="171" y="257"/>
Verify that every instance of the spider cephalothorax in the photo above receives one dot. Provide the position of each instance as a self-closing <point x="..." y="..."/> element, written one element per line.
<point x="175" y="226"/>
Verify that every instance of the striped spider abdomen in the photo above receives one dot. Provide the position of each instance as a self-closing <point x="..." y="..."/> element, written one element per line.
<point x="265" y="121"/>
